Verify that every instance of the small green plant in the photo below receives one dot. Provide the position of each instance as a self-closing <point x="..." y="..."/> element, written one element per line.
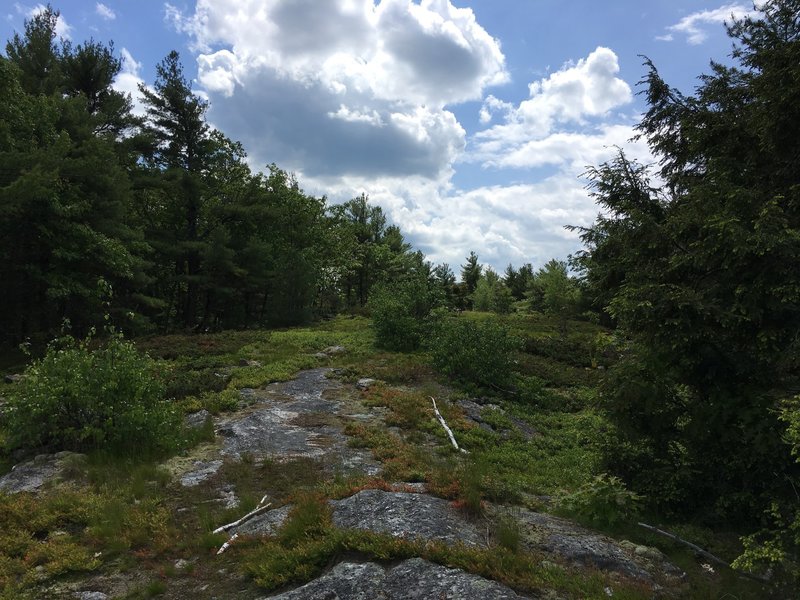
<point x="474" y="352"/>
<point x="471" y="482"/>
<point x="508" y="534"/>
<point x="82" y="397"/>
<point x="604" y="501"/>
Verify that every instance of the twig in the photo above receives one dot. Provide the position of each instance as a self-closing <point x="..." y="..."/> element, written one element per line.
<point x="702" y="552"/>
<point x="446" y="428"/>
<point x="258" y="510"/>
<point x="227" y="544"/>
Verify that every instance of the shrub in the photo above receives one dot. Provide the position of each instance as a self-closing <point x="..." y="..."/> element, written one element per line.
<point x="80" y="398"/>
<point x="399" y="312"/>
<point x="473" y="352"/>
<point x="604" y="501"/>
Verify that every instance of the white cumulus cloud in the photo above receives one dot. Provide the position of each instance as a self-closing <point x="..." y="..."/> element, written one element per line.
<point x="356" y="96"/>
<point x="128" y="80"/>
<point x="541" y="129"/>
<point x="342" y="86"/>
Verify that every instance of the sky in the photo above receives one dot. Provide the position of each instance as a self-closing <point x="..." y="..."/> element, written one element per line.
<point x="470" y="123"/>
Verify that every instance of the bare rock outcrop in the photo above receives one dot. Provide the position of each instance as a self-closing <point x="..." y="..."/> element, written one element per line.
<point x="413" y="579"/>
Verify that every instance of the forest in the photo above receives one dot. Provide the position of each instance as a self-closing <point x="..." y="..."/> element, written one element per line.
<point x="140" y="255"/>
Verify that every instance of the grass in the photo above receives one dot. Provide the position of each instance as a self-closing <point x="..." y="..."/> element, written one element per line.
<point x="122" y="514"/>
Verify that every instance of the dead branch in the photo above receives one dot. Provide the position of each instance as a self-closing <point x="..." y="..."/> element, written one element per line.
<point x="227" y="544"/>
<point x="257" y="511"/>
<point x="702" y="552"/>
<point x="446" y="428"/>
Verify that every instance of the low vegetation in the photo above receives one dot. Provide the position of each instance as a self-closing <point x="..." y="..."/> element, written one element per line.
<point x="546" y="442"/>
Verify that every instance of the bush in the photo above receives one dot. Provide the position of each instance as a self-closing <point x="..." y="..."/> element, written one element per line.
<point x="399" y="313"/>
<point x="473" y="352"/>
<point x="604" y="501"/>
<point x="79" y="398"/>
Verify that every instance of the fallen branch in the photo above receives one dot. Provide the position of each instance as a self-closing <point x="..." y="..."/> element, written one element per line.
<point x="227" y="544"/>
<point x="702" y="552"/>
<point x="258" y="510"/>
<point x="446" y="428"/>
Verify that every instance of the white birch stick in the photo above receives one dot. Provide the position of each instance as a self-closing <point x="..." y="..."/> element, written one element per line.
<point x="227" y="544"/>
<point x="260" y="509"/>
<point x="446" y="428"/>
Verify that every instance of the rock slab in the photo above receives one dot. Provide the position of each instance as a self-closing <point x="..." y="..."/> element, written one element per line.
<point x="581" y="547"/>
<point x="405" y="515"/>
<point x="32" y="475"/>
<point x="413" y="579"/>
<point x="295" y="419"/>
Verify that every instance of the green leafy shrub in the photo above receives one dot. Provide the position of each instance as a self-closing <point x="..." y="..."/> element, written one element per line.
<point x="82" y="398"/>
<point x="399" y="314"/>
<point x="603" y="501"/>
<point x="475" y="352"/>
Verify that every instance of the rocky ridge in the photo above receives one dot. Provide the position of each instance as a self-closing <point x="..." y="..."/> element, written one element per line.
<point x="305" y="418"/>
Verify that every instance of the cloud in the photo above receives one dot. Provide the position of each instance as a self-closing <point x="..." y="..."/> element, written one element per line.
<point x="304" y="126"/>
<point x="492" y="106"/>
<point x="105" y="12"/>
<point x="540" y="129"/>
<point x="342" y="86"/>
<point x="355" y="96"/>
<point x="692" y="26"/>
<point x="128" y="80"/>
<point x="570" y="120"/>
<point x="504" y="224"/>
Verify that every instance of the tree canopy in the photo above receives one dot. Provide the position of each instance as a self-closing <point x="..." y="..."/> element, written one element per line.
<point x="699" y="271"/>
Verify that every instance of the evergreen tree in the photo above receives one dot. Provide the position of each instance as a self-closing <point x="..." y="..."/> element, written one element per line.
<point x="65" y="195"/>
<point x="35" y="54"/>
<point x="471" y="272"/>
<point x="181" y="151"/>
<point x="701" y="274"/>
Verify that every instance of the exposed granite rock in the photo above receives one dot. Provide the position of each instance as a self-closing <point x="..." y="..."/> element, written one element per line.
<point x="301" y="418"/>
<point x="90" y="596"/>
<point x="354" y="581"/>
<point x="202" y="470"/>
<point x="32" y="475"/>
<point x="418" y="578"/>
<point x="244" y="362"/>
<point x="581" y="547"/>
<point x="14" y="378"/>
<point x="413" y="579"/>
<point x="473" y="411"/>
<point x="405" y="515"/>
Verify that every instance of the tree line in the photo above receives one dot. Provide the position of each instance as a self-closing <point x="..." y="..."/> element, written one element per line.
<point x="158" y="220"/>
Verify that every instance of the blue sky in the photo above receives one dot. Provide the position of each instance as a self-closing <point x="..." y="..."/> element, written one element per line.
<point x="469" y="122"/>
